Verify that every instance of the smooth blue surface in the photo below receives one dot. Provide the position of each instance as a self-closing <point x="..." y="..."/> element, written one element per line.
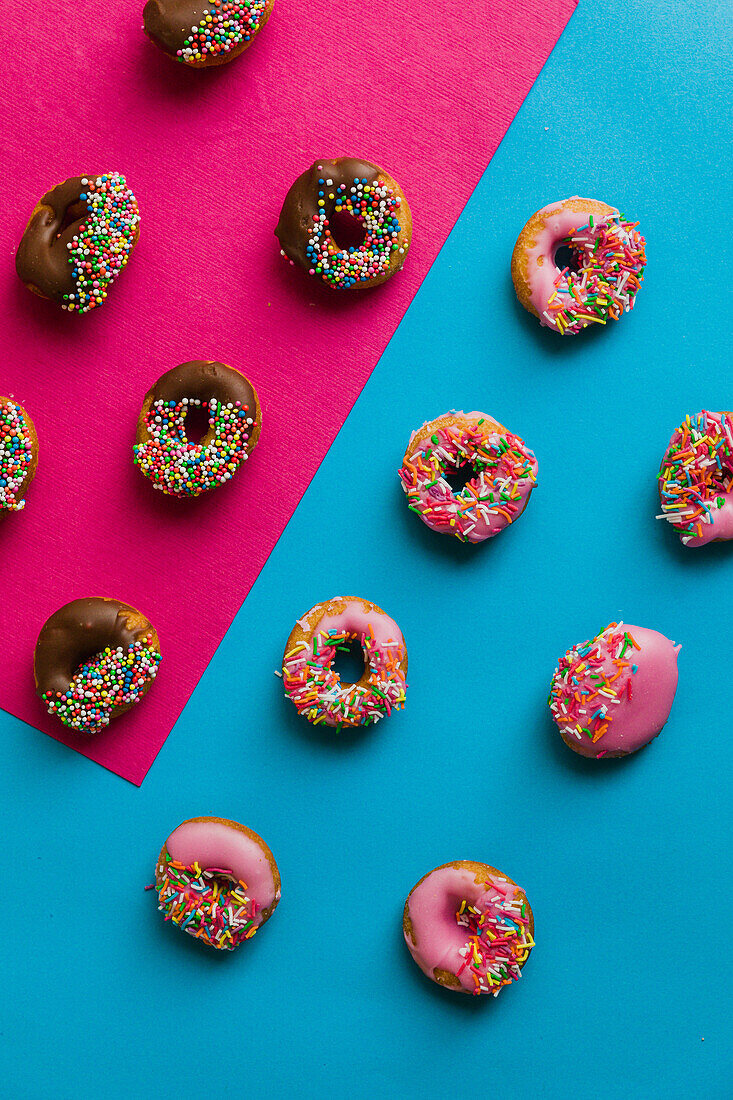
<point x="627" y="865"/>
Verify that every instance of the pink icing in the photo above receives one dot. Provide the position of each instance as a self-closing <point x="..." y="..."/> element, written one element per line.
<point x="213" y="844"/>
<point x="314" y="686"/>
<point x="559" y="224"/>
<point x="697" y="473"/>
<point x="637" y="703"/>
<point x="440" y="942"/>
<point x="463" y="515"/>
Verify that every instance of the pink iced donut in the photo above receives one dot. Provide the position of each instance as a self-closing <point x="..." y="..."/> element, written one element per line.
<point x="607" y="268"/>
<point x="217" y="880"/>
<point x="313" y="684"/>
<point x="696" y="479"/>
<point x="469" y="927"/>
<point x="504" y="469"/>
<point x="612" y="695"/>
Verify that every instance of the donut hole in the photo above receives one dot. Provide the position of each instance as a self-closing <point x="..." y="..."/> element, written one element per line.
<point x="74" y="212"/>
<point x="348" y="662"/>
<point x="567" y="256"/>
<point x="458" y="477"/>
<point x="196" y="424"/>
<point x="348" y="231"/>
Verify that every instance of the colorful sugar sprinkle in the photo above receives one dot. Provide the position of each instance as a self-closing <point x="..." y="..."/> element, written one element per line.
<point x="591" y="680"/>
<point x="377" y="207"/>
<point x="102" y="245"/>
<point x="184" y="469"/>
<point x="113" y="678"/>
<point x="611" y="260"/>
<point x="316" y="689"/>
<point x="16" y="455"/>
<point x="499" y="940"/>
<point x="222" y="27"/>
<point x="505" y="472"/>
<point x="207" y="903"/>
<point x="696" y="474"/>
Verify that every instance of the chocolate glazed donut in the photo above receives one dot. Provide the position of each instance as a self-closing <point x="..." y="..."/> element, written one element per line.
<point x="73" y="248"/>
<point x="175" y="26"/>
<point x="81" y="629"/>
<point x="42" y="260"/>
<point x="163" y="452"/>
<point x="295" y="228"/>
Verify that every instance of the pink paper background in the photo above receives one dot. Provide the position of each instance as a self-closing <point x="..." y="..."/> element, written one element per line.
<point x="210" y="156"/>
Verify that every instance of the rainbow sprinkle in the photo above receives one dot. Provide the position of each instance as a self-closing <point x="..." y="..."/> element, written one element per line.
<point x="611" y="261"/>
<point x="591" y="680"/>
<point x="696" y="473"/>
<point x="102" y="245"/>
<point x="111" y="679"/>
<point x="208" y="903"/>
<point x="184" y="469"/>
<point x="222" y="27"/>
<point x="505" y="469"/>
<point x="16" y="455"/>
<point x="377" y="208"/>
<point x="316" y="688"/>
<point x="499" y="940"/>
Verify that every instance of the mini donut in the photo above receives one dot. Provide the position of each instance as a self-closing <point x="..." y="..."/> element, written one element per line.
<point x="469" y="927"/>
<point x="94" y="659"/>
<point x="313" y="684"/>
<point x="696" y="479"/>
<point x="602" y="282"/>
<point x="18" y="455"/>
<point x="204" y="34"/>
<point x="505" y="474"/>
<point x="217" y="880"/>
<point x="79" y="238"/>
<point x="162" y="451"/>
<point x="332" y="189"/>
<point x="612" y="695"/>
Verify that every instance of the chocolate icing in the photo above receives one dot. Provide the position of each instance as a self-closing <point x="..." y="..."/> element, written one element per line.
<point x="42" y="260"/>
<point x="301" y="202"/>
<point x="168" y="22"/>
<point x="79" y="630"/>
<point x="203" y="380"/>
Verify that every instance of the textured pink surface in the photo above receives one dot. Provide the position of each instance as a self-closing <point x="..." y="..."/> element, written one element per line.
<point x="210" y="156"/>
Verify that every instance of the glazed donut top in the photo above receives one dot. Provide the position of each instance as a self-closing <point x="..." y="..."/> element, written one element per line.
<point x="611" y="695"/>
<point x="17" y="459"/>
<point x="163" y="452"/>
<point x="79" y="239"/>
<point x="217" y="880"/>
<point x="611" y="261"/>
<point x="356" y="187"/>
<point x="193" y="31"/>
<point x="92" y="657"/>
<point x="469" y="927"/>
<point x="696" y="478"/>
<point x="505" y="469"/>
<point x="315" y="687"/>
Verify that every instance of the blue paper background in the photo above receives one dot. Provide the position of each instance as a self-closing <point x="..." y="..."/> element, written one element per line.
<point x="627" y="864"/>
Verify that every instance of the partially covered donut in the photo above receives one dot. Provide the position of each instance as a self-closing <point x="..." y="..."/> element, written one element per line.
<point x="504" y="473"/>
<point x="347" y="223"/>
<point x="613" y="694"/>
<point x="578" y="262"/>
<point x="94" y="659"/>
<point x="18" y="455"/>
<point x="181" y="467"/>
<point x="696" y="479"/>
<point x="314" y="686"/>
<point x="217" y="880"/>
<point x="204" y="33"/>
<point x="469" y="927"/>
<point x="79" y="239"/>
